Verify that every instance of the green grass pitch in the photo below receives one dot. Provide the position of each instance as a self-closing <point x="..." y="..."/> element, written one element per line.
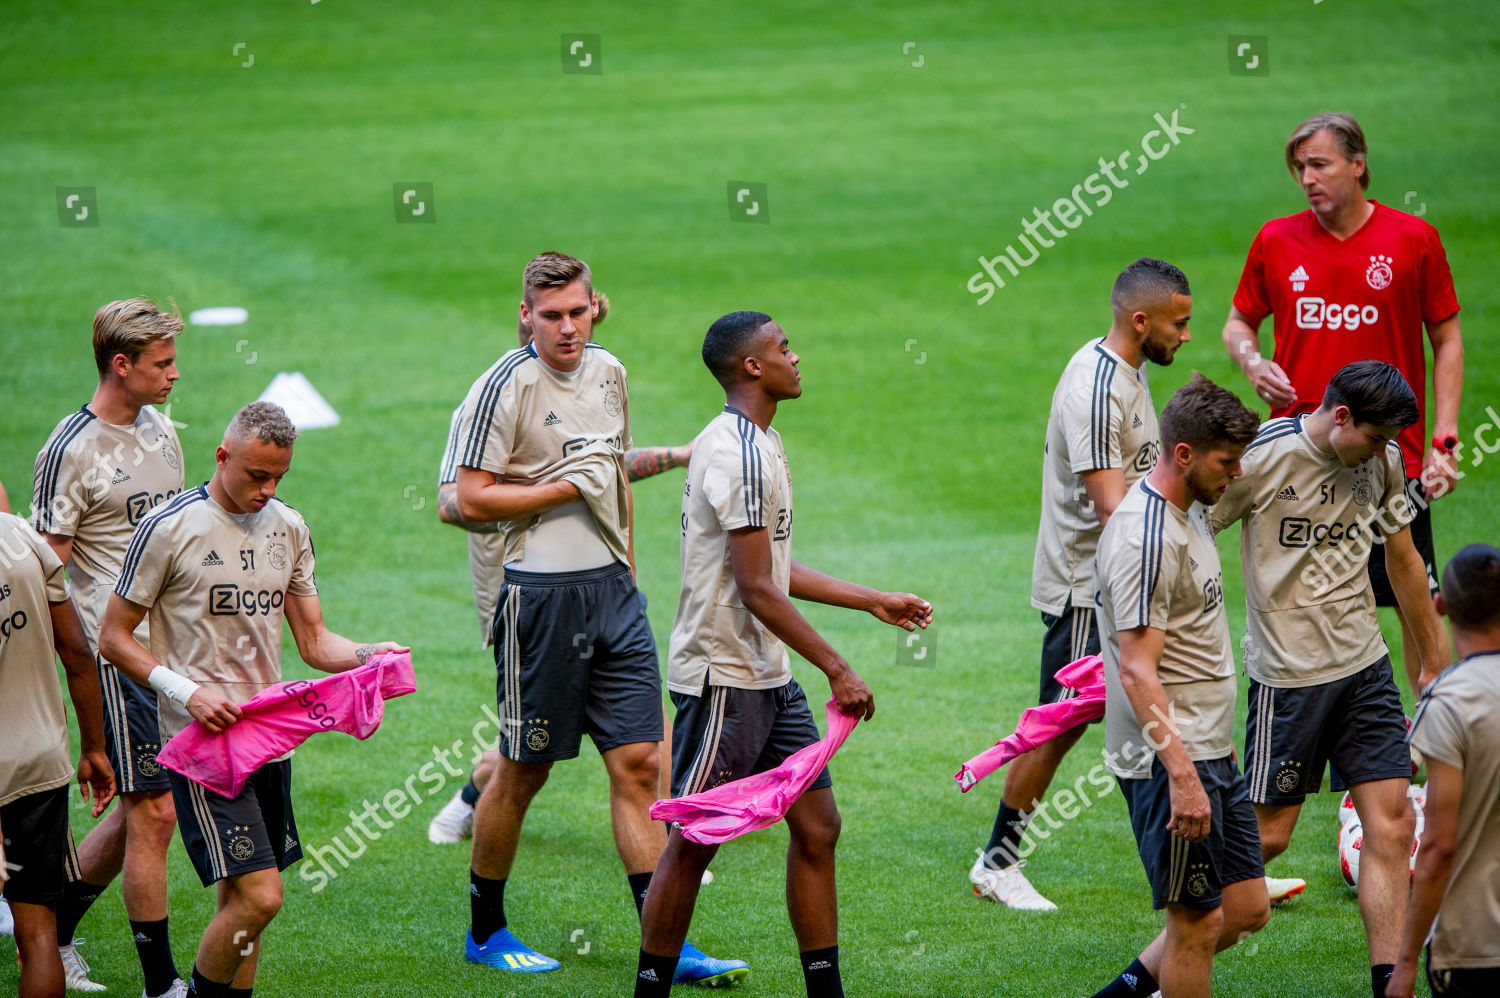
<point x="245" y="154"/>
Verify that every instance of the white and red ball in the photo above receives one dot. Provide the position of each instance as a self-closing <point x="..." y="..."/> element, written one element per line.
<point x="1352" y="835"/>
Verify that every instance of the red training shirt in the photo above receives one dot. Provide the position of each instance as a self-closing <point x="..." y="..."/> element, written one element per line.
<point x="1336" y="301"/>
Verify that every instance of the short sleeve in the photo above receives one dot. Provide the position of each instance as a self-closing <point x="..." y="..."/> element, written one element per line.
<point x="1251" y="297"/>
<point x="1133" y="577"/>
<point x="487" y="431"/>
<point x="1091" y="422"/>
<point x="627" y="442"/>
<point x="148" y="562"/>
<point x="302" y="582"/>
<point x="1393" y="496"/>
<point x="1438" y="731"/>
<point x="448" y="466"/>
<point x="735" y="484"/>
<point x="54" y="578"/>
<point x="1439" y="300"/>
<point x="60" y="493"/>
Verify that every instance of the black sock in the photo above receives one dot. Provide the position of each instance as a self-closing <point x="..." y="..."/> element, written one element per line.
<point x="820" y="969"/>
<point x="76" y="899"/>
<point x="1005" y="840"/>
<point x="638" y="884"/>
<point x="653" y="975"/>
<point x="1380" y="976"/>
<point x="1135" y="981"/>
<point x="486" y="907"/>
<point x="155" y="951"/>
<point x="470" y="793"/>
<point x="202" y="987"/>
<point x="238" y="993"/>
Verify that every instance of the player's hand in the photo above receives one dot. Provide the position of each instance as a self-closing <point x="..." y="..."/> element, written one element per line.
<point x="366" y="652"/>
<point x="1270" y="382"/>
<point x="97" y="775"/>
<point x="1439" y="474"/>
<point x="851" y="694"/>
<point x="1403" y="982"/>
<point x="1191" y="813"/>
<point x="212" y="711"/>
<point x="903" y="610"/>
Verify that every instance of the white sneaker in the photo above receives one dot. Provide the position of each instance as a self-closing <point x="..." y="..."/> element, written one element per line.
<point x="1008" y="886"/>
<point x="76" y="968"/>
<point x="7" y="921"/>
<point x="454" y="823"/>
<point x="1284" y="888"/>
<point x="179" y="989"/>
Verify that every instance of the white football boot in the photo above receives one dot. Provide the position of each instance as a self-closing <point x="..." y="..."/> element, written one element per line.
<point x="1007" y="886"/>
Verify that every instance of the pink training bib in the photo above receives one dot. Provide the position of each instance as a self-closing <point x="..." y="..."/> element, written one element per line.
<point x="1043" y="723"/>
<point x="279" y="718"/>
<point x="758" y="801"/>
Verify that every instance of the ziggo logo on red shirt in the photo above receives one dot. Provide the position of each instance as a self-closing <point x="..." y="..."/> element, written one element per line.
<point x="1315" y="313"/>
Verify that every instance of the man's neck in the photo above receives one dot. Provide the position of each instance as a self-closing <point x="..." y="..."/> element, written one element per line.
<point x="1126" y="345"/>
<point x="757" y="406"/>
<point x="1318" y="425"/>
<point x="217" y="494"/>
<point x="1348" y="220"/>
<point x="1171" y="484"/>
<point x="1467" y="643"/>
<point x="111" y="405"/>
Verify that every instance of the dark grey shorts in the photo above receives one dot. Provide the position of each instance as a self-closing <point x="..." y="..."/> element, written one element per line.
<point x="573" y="655"/>
<point x="131" y="735"/>
<point x="728" y="734"/>
<point x="253" y="830"/>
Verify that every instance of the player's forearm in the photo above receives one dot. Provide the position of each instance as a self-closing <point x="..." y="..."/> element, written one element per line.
<point x="1429" y="884"/>
<point x="82" y="675"/>
<point x="1148" y="701"/>
<point x="503" y="500"/>
<point x="1408" y="577"/>
<point x="772" y="608"/>
<point x="643" y="462"/>
<point x="447" y="510"/>
<point x="820" y="587"/>
<point x="1242" y="342"/>
<point x="330" y="652"/>
<point x="1447" y="376"/>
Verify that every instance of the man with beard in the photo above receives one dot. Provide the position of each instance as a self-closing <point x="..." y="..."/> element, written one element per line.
<point x="1169" y="707"/>
<point x="1101" y="438"/>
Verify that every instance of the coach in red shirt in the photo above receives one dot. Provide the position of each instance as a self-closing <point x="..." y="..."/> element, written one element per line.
<point x="1352" y="279"/>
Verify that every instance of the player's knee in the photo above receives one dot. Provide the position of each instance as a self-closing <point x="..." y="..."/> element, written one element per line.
<point x="1250" y="921"/>
<point x="1391" y="832"/>
<point x="1195" y="927"/>
<point x="153" y="817"/>
<point x="639" y="765"/>
<point x="258" y="903"/>
<point x="819" y="836"/>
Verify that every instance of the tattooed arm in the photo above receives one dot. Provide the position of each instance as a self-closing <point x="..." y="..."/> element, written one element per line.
<point x="447" y="510"/>
<point x="643" y="462"/>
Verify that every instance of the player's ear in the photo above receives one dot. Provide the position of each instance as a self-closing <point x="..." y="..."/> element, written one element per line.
<point x="752" y="366"/>
<point x="1439" y="605"/>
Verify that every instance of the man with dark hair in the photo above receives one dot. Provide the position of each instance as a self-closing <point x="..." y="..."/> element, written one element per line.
<point x="37" y="861"/>
<point x="218" y="568"/>
<point x="1169" y="689"/>
<point x="1316" y="488"/>
<point x="1352" y="279"/>
<point x="1457" y="879"/>
<point x="1101" y="437"/>
<point x="101" y="470"/>
<point x="543" y="434"/>
<point x="739" y="711"/>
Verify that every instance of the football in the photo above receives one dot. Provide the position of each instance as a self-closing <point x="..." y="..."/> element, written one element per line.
<point x="1352" y="834"/>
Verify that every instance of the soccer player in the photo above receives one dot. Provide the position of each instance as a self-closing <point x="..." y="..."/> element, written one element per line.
<point x="454" y="822"/>
<point x="1169" y="708"/>
<point x="739" y="711"/>
<point x="36" y="847"/>
<point x="1101" y="437"/>
<point x="1352" y="279"/>
<point x="543" y="434"/>
<point x="102" y="469"/>
<point x="1316" y="488"/>
<point x="1457" y="880"/>
<point x="218" y="568"/>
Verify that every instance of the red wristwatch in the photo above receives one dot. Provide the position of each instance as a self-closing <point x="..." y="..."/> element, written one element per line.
<point x="1447" y="444"/>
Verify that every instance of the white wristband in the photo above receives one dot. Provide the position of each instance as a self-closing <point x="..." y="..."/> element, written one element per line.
<point x="178" y="689"/>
